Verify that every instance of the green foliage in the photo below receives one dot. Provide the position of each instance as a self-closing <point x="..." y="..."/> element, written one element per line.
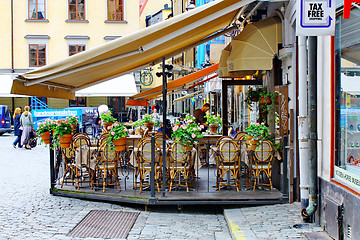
<point x="73" y="120"/>
<point x="188" y="132"/>
<point x="148" y="118"/>
<point x="107" y="117"/>
<point x="118" y="131"/>
<point x="63" y="127"/>
<point x="213" y="119"/>
<point x="258" y="131"/>
<point x="46" y="126"/>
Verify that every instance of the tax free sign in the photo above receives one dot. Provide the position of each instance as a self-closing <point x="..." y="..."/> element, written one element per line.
<point x="315" y="18"/>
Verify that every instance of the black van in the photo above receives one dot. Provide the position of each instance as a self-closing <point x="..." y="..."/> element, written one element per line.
<point x="5" y="118"/>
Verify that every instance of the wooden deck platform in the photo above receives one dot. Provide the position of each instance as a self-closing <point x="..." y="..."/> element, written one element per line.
<point x="203" y="192"/>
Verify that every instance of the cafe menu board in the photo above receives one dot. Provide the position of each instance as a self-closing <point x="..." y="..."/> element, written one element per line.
<point x="283" y="110"/>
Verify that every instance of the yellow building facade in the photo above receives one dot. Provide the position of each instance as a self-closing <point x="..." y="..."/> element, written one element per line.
<point x="39" y="32"/>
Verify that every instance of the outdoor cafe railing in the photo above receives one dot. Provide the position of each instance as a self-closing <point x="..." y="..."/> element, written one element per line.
<point x="210" y="172"/>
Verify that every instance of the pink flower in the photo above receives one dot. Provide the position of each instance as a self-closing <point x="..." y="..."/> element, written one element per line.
<point x="202" y="126"/>
<point x="262" y="123"/>
<point x="199" y="128"/>
<point x="184" y="127"/>
<point x="65" y="128"/>
<point x="116" y="124"/>
<point x="257" y="124"/>
<point x="125" y="129"/>
<point x="113" y="133"/>
<point x="127" y="124"/>
<point x="194" y="128"/>
<point x="109" y="127"/>
<point x="193" y="135"/>
<point x="175" y="128"/>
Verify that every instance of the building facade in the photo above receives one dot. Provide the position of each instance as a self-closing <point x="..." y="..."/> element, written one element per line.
<point x="39" y="32"/>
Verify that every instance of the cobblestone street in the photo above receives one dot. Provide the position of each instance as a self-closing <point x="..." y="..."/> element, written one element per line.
<point x="29" y="211"/>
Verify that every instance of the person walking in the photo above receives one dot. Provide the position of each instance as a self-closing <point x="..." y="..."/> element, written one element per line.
<point x="17" y="130"/>
<point x="26" y="121"/>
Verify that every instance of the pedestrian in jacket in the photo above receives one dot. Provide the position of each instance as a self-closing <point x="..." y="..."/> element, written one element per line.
<point x="27" y="123"/>
<point x="17" y="130"/>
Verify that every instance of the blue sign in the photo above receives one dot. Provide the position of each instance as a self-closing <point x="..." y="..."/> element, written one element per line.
<point x="41" y="115"/>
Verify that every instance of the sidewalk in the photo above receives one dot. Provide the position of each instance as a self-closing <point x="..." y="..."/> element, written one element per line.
<point x="278" y="222"/>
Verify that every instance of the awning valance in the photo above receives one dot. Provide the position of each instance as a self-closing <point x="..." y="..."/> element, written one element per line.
<point x="120" y="86"/>
<point x="178" y="84"/>
<point x="253" y="49"/>
<point x="131" y="52"/>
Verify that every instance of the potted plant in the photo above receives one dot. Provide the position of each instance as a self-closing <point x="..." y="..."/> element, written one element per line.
<point x="117" y="136"/>
<point x="44" y="130"/>
<point x="188" y="132"/>
<point x="148" y="121"/>
<point x="213" y="121"/>
<point x="252" y="95"/>
<point x="107" y="119"/>
<point x="63" y="132"/>
<point x="255" y="134"/>
<point x="74" y="121"/>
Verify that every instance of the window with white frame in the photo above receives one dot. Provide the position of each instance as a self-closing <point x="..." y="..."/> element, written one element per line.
<point x="37" y="55"/>
<point x="76" y="44"/>
<point x="76" y="48"/>
<point x="36" y="10"/>
<point x="77" y="10"/>
<point x="37" y="50"/>
<point x="115" y="10"/>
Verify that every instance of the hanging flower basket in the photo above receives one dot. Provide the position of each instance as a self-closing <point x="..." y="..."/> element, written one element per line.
<point x="265" y="100"/>
<point x="213" y="127"/>
<point x="120" y="144"/>
<point x="45" y="137"/>
<point x="65" y="140"/>
<point x="251" y="142"/>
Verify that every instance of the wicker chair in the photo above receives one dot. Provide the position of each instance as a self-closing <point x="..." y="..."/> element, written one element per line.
<point x="228" y="161"/>
<point x="144" y="163"/>
<point x="107" y="165"/>
<point x="262" y="159"/>
<point x="180" y="166"/>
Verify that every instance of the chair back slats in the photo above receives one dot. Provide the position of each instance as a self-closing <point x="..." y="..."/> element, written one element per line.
<point x="240" y="136"/>
<point x="178" y="155"/>
<point x="264" y="151"/>
<point x="228" y="150"/>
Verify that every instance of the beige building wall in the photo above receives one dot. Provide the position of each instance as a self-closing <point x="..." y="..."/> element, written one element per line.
<point x="5" y="39"/>
<point x="21" y="102"/>
<point x="96" y="101"/>
<point x="57" y="103"/>
<point x="7" y="101"/>
<point x="57" y="27"/>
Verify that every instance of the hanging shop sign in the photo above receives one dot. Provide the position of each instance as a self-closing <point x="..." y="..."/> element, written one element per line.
<point x="41" y="115"/>
<point x="315" y="18"/>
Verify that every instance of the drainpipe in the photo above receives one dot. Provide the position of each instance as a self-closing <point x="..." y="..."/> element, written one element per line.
<point x="312" y="112"/>
<point x="12" y="37"/>
<point x="303" y="123"/>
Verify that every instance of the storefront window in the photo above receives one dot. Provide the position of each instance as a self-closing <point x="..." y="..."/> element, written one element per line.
<point x="347" y="54"/>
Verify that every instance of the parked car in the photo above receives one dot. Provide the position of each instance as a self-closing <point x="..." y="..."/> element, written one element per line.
<point x="5" y="118"/>
<point x="88" y="114"/>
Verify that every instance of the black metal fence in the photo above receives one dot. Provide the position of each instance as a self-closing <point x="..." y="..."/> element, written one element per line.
<point x="210" y="166"/>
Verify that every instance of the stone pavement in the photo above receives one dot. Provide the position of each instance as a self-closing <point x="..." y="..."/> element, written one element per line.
<point x="278" y="222"/>
<point x="29" y="211"/>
